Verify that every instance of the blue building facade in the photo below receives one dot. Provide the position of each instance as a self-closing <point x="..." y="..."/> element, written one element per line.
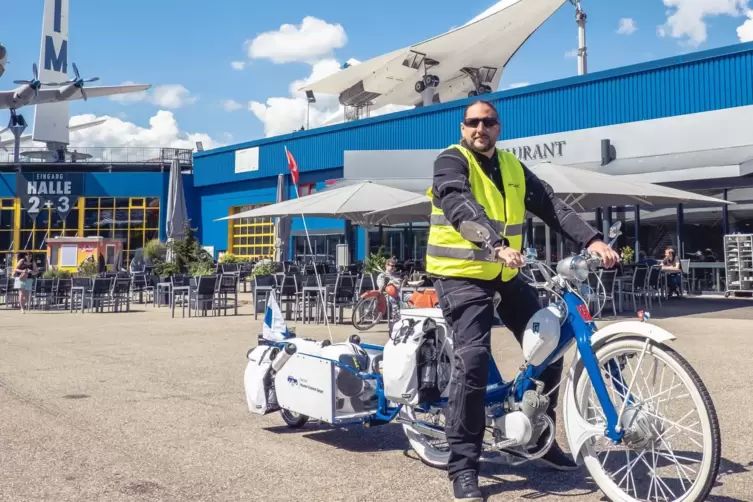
<point x="122" y="202"/>
<point x="689" y="84"/>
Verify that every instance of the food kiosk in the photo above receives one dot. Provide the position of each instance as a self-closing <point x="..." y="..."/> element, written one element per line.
<point x="68" y="253"/>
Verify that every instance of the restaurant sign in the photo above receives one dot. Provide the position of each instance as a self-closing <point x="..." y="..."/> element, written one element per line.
<point x="541" y="151"/>
<point x="59" y="191"/>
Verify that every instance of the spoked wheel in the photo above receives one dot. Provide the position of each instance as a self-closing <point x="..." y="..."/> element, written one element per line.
<point x="366" y="314"/>
<point x="293" y="419"/>
<point x="672" y="445"/>
<point x="432" y="448"/>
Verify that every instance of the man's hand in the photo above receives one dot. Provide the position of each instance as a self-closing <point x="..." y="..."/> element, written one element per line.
<point x="510" y="257"/>
<point x="608" y="255"/>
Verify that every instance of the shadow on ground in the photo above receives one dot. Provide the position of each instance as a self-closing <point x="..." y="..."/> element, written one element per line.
<point x="719" y="308"/>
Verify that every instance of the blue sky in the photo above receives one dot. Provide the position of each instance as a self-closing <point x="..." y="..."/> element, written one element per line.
<point x="192" y="44"/>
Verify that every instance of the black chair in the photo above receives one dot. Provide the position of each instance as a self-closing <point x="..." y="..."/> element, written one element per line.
<point x="227" y="286"/>
<point x="263" y="284"/>
<point x="203" y="294"/>
<point x="99" y="294"/>
<point x="120" y="292"/>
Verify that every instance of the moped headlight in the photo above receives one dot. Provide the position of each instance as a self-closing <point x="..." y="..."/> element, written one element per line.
<point x="574" y="268"/>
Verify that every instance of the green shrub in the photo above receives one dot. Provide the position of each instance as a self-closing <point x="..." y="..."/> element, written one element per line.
<point x="88" y="268"/>
<point x="375" y="262"/>
<point x="627" y="255"/>
<point x="55" y="273"/>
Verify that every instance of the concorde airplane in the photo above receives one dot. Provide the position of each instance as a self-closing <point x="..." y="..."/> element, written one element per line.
<point x="463" y="62"/>
<point x="50" y="85"/>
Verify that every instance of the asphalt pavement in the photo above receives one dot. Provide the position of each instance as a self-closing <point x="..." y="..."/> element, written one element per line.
<point x="138" y="406"/>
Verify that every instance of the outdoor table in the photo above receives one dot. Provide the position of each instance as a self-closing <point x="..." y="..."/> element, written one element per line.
<point x="716" y="266"/>
<point x="183" y="291"/>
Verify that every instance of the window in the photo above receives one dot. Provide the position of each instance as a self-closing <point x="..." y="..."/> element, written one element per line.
<point x="251" y="237"/>
<point x="135" y="220"/>
<point x="7" y="215"/>
<point x="69" y="256"/>
<point x="306" y="189"/>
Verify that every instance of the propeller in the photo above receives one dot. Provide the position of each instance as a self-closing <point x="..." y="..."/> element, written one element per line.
<point x="33" y="83"/>
<point x="78" y="81"/>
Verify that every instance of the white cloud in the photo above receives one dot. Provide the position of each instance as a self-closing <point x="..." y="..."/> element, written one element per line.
<point x="516" y="85"/>
<point x="745" y="30"/>
<point x="163" y="132"/>
<point x="165" y="96"/>
<point x="572" y="54"/>
<point x="627" y="26"/>
<point x="231" y="105"/>
<point x="686" y="19"/>
<point x="283" y="115"/>
<point x="238" y="65"/>
<point x="312" y="40"/>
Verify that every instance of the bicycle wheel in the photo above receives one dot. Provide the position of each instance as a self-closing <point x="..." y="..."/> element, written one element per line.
<point x="365" y="314"/>
<point x="658" y="457"/>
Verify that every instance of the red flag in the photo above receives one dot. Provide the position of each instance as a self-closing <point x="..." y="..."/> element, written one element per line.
<point x="292" y="166"/>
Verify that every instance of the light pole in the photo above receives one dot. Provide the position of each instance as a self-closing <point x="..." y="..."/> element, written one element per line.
<point x="580" y="20"/>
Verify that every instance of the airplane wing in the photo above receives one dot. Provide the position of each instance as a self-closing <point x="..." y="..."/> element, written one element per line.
<point x="485" y="45"/>
<point x="71" y="128"/>
<point x="52" y="95"/>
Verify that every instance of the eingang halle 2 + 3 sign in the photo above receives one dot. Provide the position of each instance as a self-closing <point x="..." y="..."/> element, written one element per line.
<point x="59" y="191"/>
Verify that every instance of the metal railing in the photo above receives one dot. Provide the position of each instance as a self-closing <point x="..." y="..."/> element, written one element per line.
<point x="102" y="155"/>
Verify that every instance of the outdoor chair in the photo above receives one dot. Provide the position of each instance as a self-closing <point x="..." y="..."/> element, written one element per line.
<point x="341" y="295"/>
<point x="204" y="294"/>
<point x="139" y="285"/>
<point x="685" y="277"/>
<point x="99" y="294"/>
<point x="80" y="287"/>
<point x="63" y="292"/>
<point x="227" y="286"/>
<point x="43" y="292"/>
<point x="120" y="292"/>
<point x="11" y="295"/>
<point x="654" y="285"/>
<point x="288" y="295"/>
<point x="607" y="294"/>
<point x="263" y="284"/>
<point x="637" y="288"/>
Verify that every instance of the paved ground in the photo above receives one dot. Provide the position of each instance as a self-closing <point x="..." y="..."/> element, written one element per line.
<point x="140" y="406"/>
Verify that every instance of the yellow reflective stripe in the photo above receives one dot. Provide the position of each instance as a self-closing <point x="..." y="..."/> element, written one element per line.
<point x="509" y="230"/>
<point x="458" y="253"/>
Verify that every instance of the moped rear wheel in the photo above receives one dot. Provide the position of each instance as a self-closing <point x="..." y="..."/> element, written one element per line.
<point x="432" y="449"/>
<point x="672" y="445"/>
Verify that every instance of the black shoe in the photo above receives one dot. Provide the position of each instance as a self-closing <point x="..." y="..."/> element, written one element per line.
<point x="557" y="459"/>
<point x="465" y="487"/>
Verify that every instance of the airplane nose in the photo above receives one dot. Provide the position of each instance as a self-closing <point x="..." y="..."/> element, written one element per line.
<point x="3" y="52"/>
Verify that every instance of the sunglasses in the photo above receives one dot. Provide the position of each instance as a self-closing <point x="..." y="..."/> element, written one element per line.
<point x="487" y="121"/>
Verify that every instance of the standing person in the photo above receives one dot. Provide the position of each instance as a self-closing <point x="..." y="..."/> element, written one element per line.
<point x="473" y="181"/>
<point x="24" y="274"/>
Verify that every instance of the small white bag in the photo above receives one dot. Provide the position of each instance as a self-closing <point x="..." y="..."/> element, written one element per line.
<point x="400" y="362"/>
<point x="258" y="382"/>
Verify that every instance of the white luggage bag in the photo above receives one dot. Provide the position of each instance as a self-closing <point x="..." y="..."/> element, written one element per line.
<point x="257" y="380"/>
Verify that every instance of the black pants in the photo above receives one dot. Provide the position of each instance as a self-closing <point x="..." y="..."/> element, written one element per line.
<point x="467" y="306"/>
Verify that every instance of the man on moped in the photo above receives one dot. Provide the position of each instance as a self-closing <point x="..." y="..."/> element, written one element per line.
<point x="473" y="181"/>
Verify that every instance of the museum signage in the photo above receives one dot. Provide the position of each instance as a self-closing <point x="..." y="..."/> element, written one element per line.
<point x="59" y="191"/>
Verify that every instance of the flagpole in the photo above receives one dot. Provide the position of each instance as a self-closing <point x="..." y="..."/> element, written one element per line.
<point x="311" y="250"/>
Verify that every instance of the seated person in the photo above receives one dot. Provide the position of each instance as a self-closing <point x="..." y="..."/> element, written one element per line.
<point x="389" y="275"/>
<point x="670" y="262"/>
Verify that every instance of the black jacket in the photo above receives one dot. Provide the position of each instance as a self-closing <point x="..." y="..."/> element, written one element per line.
<point x="452" y="193"/>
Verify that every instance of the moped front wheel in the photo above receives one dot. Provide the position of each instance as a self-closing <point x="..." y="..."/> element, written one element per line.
<point x="672" y="444"/>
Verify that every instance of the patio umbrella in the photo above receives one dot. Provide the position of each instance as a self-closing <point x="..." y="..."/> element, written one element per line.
<point x="177" y="214"/>
<point x="351" y="202"/>
<point x="583" y="190"/>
